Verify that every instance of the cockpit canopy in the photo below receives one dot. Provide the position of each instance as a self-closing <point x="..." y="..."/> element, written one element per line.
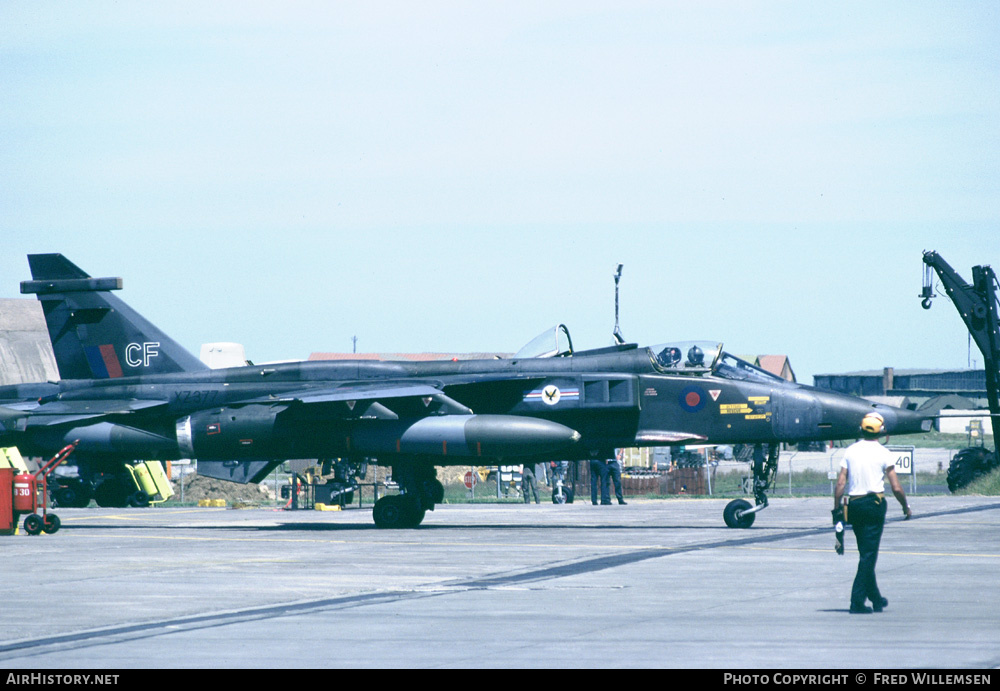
<point x="554" y="342"/>
<point x="684" y="357"/>
<point x="687" y="355"/>
<point x="696" y="357"/>
<point x="731" y="367"/>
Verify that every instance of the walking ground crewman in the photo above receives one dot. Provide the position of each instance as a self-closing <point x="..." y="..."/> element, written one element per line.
<point x="865" y="464"/>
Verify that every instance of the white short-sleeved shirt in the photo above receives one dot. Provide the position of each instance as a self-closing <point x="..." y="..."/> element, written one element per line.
<point x="866" y="462"/>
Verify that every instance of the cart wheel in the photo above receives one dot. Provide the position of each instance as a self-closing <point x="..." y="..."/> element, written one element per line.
<point x="51" y="523"/>
<point x="33" y="524"/>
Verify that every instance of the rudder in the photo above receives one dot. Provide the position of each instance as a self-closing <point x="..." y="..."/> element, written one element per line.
<point x="94" y="334"/>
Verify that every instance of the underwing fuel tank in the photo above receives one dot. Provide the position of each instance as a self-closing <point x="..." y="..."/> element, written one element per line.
<point x="464" y="435"/>
<point x="12" y="420"/>
<point x="255" y="432"/>
<point x="111" y="439"/>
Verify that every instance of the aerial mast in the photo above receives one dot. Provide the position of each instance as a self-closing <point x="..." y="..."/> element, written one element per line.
<point x="619" y="339"/>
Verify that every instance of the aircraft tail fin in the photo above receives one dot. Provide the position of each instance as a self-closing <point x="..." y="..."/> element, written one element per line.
<point x="94" y="334"/>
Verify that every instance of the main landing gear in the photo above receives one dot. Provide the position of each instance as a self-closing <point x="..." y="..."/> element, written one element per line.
<point x="420" y="491"/>
<point x="739" y="513"/>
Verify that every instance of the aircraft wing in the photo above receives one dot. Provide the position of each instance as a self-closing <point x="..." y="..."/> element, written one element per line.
<point x="387" y="401"/>
<point x="57" y="412"/>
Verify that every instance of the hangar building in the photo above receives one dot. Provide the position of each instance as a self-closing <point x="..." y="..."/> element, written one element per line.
<point x="936" y="392"/>
<point x="25" y="350"/>
<point x="920" y="386"/>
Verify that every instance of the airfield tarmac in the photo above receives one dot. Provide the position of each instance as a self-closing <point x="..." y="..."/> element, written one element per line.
<point x="651" y="584"/>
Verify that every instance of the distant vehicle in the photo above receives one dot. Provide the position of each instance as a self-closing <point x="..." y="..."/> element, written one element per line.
<point x="128" y="391"/>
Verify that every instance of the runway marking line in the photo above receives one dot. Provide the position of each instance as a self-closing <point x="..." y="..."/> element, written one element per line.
<point x="160" y="514"/>
<point x="881" y="551"/>
<point x="504" y="545"/>
<point x="220" y="539"/>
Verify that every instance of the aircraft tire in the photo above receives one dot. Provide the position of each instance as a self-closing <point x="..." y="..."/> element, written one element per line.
<point x="416" y="517"/>
<point x="73" y="495"/>
<point x="412" y="516"/>
<point x="51" y="523"/>
<point x="435" y="491"/>
<point x="558" y="498"/>
<point x="86" y="493"/>
<point x="734" y="507"/>
<point x="397" y="511"/>
<point x="111" y="494"/>
<point x="967" y="465"/>
<point x="388" y="513"/>
<point x="33" y="524"/>
<point x="65" y="496"/>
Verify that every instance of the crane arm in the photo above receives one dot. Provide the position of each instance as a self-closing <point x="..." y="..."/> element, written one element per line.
<point x="977" y="305"/>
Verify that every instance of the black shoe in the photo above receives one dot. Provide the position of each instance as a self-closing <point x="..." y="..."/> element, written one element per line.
<point x="860" y="609"/>
<point x="605" y="503"/>
<point x="594" y="503"/>
<point x="880" y="605"/>
<point x="622" y="503"/>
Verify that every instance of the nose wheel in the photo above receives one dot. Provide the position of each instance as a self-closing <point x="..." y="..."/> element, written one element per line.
<point x="740" y="513"/>
<point x="736" y="515"/>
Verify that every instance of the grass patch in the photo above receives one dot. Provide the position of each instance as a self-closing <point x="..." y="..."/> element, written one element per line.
<point x="814" y="483"/>
<point x="486" y="493"/>
<point x="935" y="440"/>
<point x="987" y="485"/>
<point x="804" y="483"/>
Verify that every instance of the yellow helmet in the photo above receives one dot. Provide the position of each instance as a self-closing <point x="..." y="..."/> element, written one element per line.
<point x="873" y="423"/>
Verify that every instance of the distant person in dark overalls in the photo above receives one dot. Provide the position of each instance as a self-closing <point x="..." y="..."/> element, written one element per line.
<point x="598" y="474"/>
<point x="528" y="483"/>
<point x="615" y="472"/>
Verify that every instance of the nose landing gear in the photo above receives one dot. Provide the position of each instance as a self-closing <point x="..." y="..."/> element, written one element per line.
<point x="739" y="513"/>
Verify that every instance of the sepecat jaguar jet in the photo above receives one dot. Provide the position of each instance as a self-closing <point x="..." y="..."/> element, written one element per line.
<point x="128" y="391"/>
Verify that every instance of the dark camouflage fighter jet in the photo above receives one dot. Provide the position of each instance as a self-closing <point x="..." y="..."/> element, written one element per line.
<point x="128" y="391"/>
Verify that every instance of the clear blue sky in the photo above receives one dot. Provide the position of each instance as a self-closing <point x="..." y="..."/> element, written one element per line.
<point x="460" y="176"/>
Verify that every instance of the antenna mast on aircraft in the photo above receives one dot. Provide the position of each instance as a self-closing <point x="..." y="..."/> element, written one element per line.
<point x="619" y="339"/>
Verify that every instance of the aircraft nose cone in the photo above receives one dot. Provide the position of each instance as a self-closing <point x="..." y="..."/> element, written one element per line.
<point x="902" y="421"/>
<point x="841" y="416"/>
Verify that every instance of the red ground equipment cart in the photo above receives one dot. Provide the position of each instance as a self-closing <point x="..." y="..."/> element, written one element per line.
<point x="30" y="490"/>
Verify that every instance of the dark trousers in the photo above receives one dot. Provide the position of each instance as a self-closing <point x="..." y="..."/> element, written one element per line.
<point x="867" y="517"/>
<point x="528" y="484"/>
<point x="615" y="475"/>
<point x="599" y="474"/>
